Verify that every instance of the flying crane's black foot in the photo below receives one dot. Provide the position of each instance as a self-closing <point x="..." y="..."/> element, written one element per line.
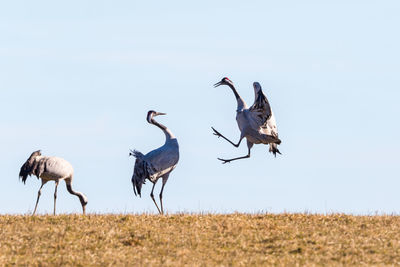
<point x="224" y="160"/>
<point x="216" y="132"/>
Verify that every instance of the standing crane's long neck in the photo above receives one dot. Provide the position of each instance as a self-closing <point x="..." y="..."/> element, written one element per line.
<point x="81" y="196"/>
<point x="168" y="134"/>
<point x="240" y="102"/>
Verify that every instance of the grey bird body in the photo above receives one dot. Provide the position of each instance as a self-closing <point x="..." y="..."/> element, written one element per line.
<point x="51" y="169"/>
<point x="158" y="163"/>
<point x="54" y="168"/>
<point x="256" y="123"/>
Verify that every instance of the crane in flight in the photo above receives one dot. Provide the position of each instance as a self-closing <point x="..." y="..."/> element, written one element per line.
<point x="50" y="169"/>
<point x="156" y="164"/>
<point x="256" y="123"/>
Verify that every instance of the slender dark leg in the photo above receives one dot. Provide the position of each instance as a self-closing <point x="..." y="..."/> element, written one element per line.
<point x="152" y="197"/>
<point x="249" y="146"/>
<point x="55" y="197"/>
<point x="164" y="181"/>
<point x="220" y="135"/>
<point x="38" y="196"/>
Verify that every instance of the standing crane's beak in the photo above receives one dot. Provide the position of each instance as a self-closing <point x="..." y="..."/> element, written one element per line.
<point x="217" y="84"/>
<point x="160" y="113"/>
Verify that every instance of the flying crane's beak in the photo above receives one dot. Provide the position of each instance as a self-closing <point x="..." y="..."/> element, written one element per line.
<point x="160" y="113"/>
<point x="217" y="84"/>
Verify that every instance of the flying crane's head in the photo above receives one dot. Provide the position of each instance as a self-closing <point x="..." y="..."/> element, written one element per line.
<point x="152" y="114"/>
<point x="224" y="81"/>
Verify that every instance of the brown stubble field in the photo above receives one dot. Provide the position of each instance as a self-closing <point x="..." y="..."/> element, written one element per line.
<point x="200" y="240"/>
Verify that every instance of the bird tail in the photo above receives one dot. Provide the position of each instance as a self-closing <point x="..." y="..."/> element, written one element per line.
<point x="25" y="170"/>
<point x="136" y="154"/>
<point x="273" y="148"/>
<point x="140" y="172"/>
<point x="137" y="182"/>
<point x="31" y="167"/>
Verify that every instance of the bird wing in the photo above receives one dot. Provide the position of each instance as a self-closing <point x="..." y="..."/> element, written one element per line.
<point x="270" y="127"/>
<point x="54" y="167"/>
<point x="162" y="160"/>
<point x="154" y="164"/>
<point x="260" y="111"/>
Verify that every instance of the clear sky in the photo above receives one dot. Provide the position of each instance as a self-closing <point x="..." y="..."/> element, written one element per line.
<point x="78" y="77"/>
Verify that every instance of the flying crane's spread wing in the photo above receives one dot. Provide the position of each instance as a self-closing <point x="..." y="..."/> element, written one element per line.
<point x="261" y="113"/>
<point x="260" y="110"/>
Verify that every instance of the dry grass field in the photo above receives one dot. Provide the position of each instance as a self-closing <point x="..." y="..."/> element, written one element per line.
<point x="200" y="240"/>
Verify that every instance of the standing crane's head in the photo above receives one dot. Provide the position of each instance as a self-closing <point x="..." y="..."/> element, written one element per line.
<point x="27" y="168"/>
<point x="152" y="114"/>
<point x="224" y="81"/>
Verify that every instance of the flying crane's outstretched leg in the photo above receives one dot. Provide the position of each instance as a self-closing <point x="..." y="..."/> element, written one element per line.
<point x="164" y="181"/>
<point x="152" y="197"/>
<point x="38" y="195"/>
<point x="220" y="135"/>
<point x="55" y="197"/>
<point x="249" y="146"/>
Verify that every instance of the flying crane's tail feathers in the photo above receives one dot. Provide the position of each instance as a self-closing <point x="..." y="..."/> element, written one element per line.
<point x="273" y="148"/>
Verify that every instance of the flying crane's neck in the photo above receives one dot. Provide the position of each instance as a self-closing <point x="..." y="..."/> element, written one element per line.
<point x="240" y="102"/>
<point x="168" y="134"/>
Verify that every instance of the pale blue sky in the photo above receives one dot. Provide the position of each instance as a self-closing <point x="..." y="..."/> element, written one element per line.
<point x="77" y="79"/>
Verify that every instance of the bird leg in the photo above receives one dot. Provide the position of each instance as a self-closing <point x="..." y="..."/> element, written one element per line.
<point x="249" y="146"/>
<point x="55" y="197"/>
<point x="152" y="197"/>
<point x="164" y="181"/>
<point x="220" y="135"/>
<point x="39" y="193"/>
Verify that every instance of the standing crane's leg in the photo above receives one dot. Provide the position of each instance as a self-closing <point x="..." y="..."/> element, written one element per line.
<point x="220" y="135"/>
<point x="38" y="195"/>
<point x="249" y="146"/>
<point x="164" y="181"/>
<point x="152" y="197"/>
<point x="55" y="197"/>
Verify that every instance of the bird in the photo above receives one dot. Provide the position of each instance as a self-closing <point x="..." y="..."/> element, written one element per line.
<point x="158" y="163"/>
<point x="50" y="169"/>
<point x="256" y="123"/>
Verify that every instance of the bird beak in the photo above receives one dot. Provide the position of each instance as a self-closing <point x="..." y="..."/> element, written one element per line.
<point x="160" y="113"/>
<point x="217" y="84"/>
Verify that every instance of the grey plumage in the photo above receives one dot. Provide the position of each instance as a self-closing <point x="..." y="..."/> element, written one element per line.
<point x="256" y="123"/>
<point x="50" y="169"/>
<point x="156" y="164"/>
<point x="31" y="167"/>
